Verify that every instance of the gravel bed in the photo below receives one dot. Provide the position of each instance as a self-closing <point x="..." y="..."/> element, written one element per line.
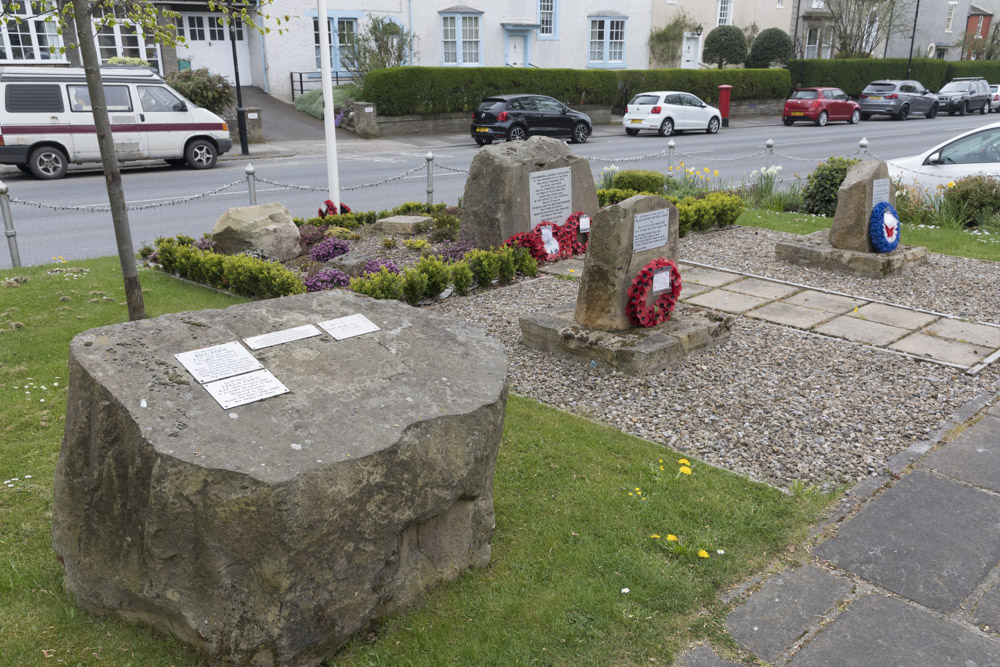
<point x="771" y="403"/>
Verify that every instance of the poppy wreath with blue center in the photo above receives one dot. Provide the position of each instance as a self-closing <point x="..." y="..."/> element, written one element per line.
<point x="885" y="238"/>
<point x="642" y="315"/>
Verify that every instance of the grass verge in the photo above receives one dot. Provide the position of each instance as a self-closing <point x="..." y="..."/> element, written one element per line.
<point x="577" y="504"/>
<point x="942" y="240"/>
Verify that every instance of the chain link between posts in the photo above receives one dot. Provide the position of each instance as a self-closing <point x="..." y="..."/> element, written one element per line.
<point x="103" y="208"/>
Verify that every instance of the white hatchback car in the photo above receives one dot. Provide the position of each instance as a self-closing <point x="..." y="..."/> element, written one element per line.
<point x="974" y="152"/>
<point x="668" y="112"/>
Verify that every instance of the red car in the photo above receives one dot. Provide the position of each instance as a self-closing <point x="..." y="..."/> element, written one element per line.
<point x="820" y="105"/>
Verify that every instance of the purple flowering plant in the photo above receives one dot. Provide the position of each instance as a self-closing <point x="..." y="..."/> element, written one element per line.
<point x="328" y="249"/>
<point x="326" y="279"/>
<point x="375" y="265"/>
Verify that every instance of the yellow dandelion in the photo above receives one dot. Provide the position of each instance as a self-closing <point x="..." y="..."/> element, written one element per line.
<point x="661" y="467"/>
<point x="661" y="460"/>
<point x="572" y="270"/>
<point x="683" y="462"/>
<point x="702" y="553"/>
<point x="671" y="538"/>
<point x="685" y="470"/>
<point x="630" y="493"/>
<point x="655" y="536"/>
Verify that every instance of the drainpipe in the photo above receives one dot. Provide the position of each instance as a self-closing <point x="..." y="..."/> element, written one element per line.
<point x="409" y="11"/>
<point x="263" y="51"/>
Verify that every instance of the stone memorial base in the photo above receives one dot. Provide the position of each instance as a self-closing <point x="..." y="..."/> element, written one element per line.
<point x="815" y="250"/>
<point x="636" y="352"/>
<point x="269" y="533"/>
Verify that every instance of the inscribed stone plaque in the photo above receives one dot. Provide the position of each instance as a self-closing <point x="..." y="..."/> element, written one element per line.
<point x="880" y="190"/>
<point x="218" y="361"/>
<point x="550" y="195"/>
<point x="247" y="388"/>
<point x="350" y="326"/>
<point x="283" y="336"/>
<point x="651" y="230"/>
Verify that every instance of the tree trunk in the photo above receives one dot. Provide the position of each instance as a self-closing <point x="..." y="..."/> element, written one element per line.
<point x="109" y="160"/>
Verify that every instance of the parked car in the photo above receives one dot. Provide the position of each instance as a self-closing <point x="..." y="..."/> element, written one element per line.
<point x="898" y="99"/>
<point x="669" y="111"/>
<point x="820" y="105"/>
<point x="994" y="97"/>
<point x="973" y="152"/>
<point x="517" y="117"/>
<point x="964" y="94"/>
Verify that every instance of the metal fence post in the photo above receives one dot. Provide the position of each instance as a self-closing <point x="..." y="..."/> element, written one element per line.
<point x="862" y="147"/>
<point x="430" y="177"/>
<point x="769" y="144"/>
<point x="251" y="183"/>
<point x="670" y="149"/>
<point x="8" y="226"/>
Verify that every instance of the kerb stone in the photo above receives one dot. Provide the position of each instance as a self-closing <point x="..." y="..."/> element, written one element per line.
<point x="268" y="534"/>
<point x="267" y="227"/>
<point x="849" y="230"/>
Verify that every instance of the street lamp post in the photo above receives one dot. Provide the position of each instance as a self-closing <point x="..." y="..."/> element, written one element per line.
<point x="913" y="36"/>
<point x="241" y="121"/>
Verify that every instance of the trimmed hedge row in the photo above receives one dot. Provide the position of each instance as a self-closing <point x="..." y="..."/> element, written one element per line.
<point x="695" y="214"/>
<point x="425" y="90"/>
<point x="853" y="74"/>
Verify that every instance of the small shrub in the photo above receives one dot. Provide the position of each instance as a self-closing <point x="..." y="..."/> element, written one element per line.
<point x="436" y="272"/>
<point x="526" y="264"/>
<point x="461" y="277"/>
<point x="977" y="196"/>
<point x="183" y="239"/>
<point x="820" y="194"/>
<point x="327" y="279"/>
<point x="328" y="249"/>
<point x="772" y="46"/>
<point x="613" y="196"/>
<point x="203" y="88"/>
<point x="454" y="251"/>
<point x="342" y="233"/>
<point x="506" y="265"/>
<point x="483" y="264"/>
<point x="381" y="285"/>
<point x="415" y="244"/>
<point x="146" y="250"/>
<point x="389" y="243"/>
<point x="310" y="235"/>
<point x="376" y="265"/>
<point x="414" y="286"/>
<point x="205" y="243"/>
<point x="242" y="274"/>
<point x="725" y="45"/>
<point x="639" y="180"/>
<point x="445" y="227"/>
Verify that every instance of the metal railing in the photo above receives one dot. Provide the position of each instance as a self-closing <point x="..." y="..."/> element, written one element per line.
<point x="300" y="81"/>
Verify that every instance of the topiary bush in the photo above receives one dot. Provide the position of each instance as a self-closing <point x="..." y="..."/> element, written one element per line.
<point x="381" y="285"/>
<point x="725" y="45"/>
<point x="437" y="275"/>
<point x="461" y="277"/>
<point x="820" y="194"/>
<point x="525" y="263"/>
<point x="484" y="266"/>
<point x="329" y="248"/>
<point x="771" y="47"/>
<point x="506" y="265"/>
<point x="639" y="180"/>
<point x="241" y="274"/>
<point x="414" y="286"/>
<point x="976" y="196"/>
<point x="203" y="88"/>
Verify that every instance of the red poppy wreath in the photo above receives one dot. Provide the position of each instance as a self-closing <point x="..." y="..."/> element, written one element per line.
<point x="643" y="315"/>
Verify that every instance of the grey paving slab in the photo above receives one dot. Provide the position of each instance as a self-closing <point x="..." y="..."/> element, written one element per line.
<point x="987" y="611"/>
<point x="788" y="315"/>
<point x="927" y="538"/>
<point x="994" y="411"/>
<point x="861" y="331"/>
<point x="942" y="349"/>
<point x="773" y="618"/>
<point x="572" y="267"/>
<point x="708" y="277"/>
<point x="895" y="316"/>
<point x="689" y="290"/>
<point x="974" y="456"/>
<point x="977" y="334"/>
<point x="829" y="302"/>
<point x="701" y="656"/>
<point x="727" y="302"/>
<point x="763" y="288"/>
<point x="878" y="631"/>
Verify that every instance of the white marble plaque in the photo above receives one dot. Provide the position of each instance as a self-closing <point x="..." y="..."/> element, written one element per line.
<point x="348" y="327"/>
<point x="283" y="336"/>
<point x="550" y="194"/>
<point x="651" y="230"/>
<point x="218" y="361"/>
<point x="585" y="224"/>
<point x="661" y="280"/>
<point x="880" y="190"/>
<point x="246" y="388"/>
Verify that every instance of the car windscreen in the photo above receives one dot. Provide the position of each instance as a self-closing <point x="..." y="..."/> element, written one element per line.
<point x="804" y="95"/>
<point x="491" y="106"/>
<point x="956" y="87"/>
<point x="645" y="99"/>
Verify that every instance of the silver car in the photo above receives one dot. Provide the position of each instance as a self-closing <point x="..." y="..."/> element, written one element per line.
<point x="994" y="97"/>
<point x="897" y="99"/>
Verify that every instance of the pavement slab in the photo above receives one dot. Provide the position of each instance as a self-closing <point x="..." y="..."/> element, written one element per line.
<point x="831" y="303"/>
<point x="884" y="632"/>
<point x="772" y="619"/>
<point x="927" y="538"/>
<point x="702" y="656"/>
<point x="895" y="316"/>
<point x="727" y="302"/>
<point x="977" y="334"/>
<point x="861" y="331"/>
<point x="987" y="611"/>
<point x="572" y="267"/>
<point x="972" y="457"/>
<point x="709" y="277"/>
<point x="994" y="411"/>
<point x="942" y="349"/>
<point x="763" y="288"/>
<point x="800" y="317"/>
<point x="689" y="290"/>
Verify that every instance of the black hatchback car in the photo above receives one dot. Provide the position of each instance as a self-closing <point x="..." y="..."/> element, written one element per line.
<point x="517" y="117"/>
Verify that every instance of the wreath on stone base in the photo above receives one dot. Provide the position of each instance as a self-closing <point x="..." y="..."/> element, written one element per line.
<point x="567" y="235"/>
<point x="642" y="315"/>
<point x="883" y="230"/>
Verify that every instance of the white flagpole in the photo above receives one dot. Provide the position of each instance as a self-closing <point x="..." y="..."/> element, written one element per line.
<point x="329" y="117"/>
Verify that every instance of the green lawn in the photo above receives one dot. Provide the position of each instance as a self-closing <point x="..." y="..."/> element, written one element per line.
<point x="576" y="506"/>
<point x="943" y="240"/>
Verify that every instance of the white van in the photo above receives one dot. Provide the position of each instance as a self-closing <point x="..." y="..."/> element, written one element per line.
<point x="47" y="122"/>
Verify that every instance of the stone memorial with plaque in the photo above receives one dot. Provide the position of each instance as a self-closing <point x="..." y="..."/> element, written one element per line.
<point x="515" y="185"/>
<point x="847" y="246"/>
<point x="265" y="504"/>
<point x="626" y="239"/>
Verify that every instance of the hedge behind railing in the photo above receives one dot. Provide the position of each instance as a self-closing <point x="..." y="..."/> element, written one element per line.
<point x="748" y="84"/>
<point x="853" y="74"/>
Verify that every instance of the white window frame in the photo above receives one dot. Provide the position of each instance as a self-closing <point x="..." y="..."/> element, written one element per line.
<point x="336" y="62"/>
<point x="818" y="4"/>
<point x="548" y="9"/>
<point x="827" y="40"/>
<point x="31" y="30"/>
<point x="120" y="33"/>
<point x="950" y="20"/>
<point x="979" y="27"/>
<point x="607" y="25"/>
<point x="725" y="13"/>
<point x="461" y="24"/>
<point x="812" y="48"/>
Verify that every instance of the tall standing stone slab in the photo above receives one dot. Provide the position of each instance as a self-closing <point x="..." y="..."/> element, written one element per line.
<point x="269" y="533"/>
<point x="866" y="184"/>
<point x="618" y="249"/>
<point x="514" y="185"/>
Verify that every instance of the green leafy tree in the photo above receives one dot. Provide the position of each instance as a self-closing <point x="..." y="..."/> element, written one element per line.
<point x="381" y="43"/>
<point x="726" y="45"/>
<point x="772" y="46"/>
<point x="665" y="43"/>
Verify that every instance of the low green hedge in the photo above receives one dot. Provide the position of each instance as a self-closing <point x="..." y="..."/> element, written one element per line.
<point x="748" y="84"/>
<point x="695" y="214"/>
<point x="852" y="74"/>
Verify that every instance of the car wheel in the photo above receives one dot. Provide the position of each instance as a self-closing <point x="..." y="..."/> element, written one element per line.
<point x="866" y="116"/>
<point x="855" y="117"/>
<point x="580" y="133"/>
<point x="964" y="110"/>
<point x="201" y="154"/>
<point x="48" y="163"/>
<point x="822" y="118"/>
<point x="483" y="142"/>
<point x="933" y="111"/>
<point x="787" y="121"/>
<point x="631" y="131"/>
<point x="517" y="133"/>
<point x="666" y="127"/>
<point x="713" y="125"/>
<point x="985" y="108"/>
<point x="903" y="113"/>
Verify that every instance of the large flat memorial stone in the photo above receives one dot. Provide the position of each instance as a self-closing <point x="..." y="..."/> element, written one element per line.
<point x="927" y="538"/>
<point x="270" y="532"/>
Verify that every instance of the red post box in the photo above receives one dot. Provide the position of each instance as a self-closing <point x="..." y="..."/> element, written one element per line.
<point x="724" y="103"/>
